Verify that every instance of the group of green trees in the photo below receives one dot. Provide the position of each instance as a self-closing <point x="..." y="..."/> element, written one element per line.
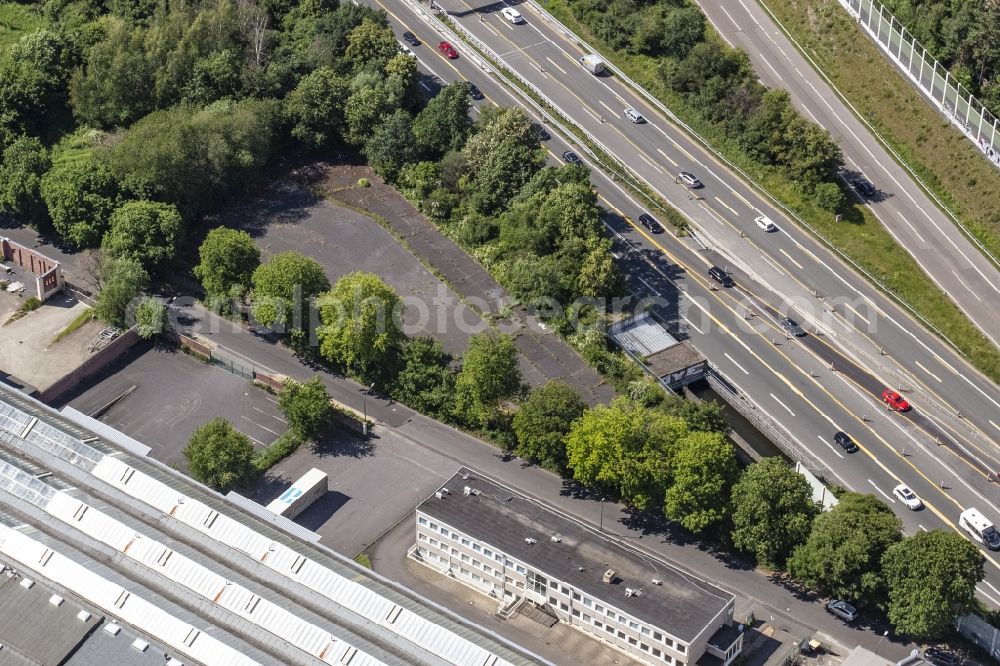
<point x="961" y="34"/>
<point x="123" y="123"/>
<point x="718" y="84"/>
<point x="855" y="551"/>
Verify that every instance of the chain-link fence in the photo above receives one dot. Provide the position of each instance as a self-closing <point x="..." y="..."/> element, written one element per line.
<point x="936" y="82"/>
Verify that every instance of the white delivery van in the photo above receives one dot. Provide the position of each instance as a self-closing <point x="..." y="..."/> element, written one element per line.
<point x="981" y="530"/>
<point x="592" y="63"/>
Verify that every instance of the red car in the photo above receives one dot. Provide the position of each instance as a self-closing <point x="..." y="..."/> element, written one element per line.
<point x="448" y="50"/>
<point x="894" y="401"/>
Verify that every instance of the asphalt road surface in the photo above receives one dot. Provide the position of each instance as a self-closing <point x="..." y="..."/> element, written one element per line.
<point x="942" y="449"/>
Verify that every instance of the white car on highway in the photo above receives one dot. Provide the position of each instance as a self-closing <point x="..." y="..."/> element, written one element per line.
<point x="765" y="223"/>
<point x="512" y="15"/>
<point x="907" y="497"/>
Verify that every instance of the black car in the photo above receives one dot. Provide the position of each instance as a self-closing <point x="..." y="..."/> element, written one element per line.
<point x="865" y="188"/>
<point x="940" y="657"/>
<point x="474" y="92"/>
<point x="845" y="441"/>
<point x="790" y="326"/>
<point x="571" y="158"/>
<point x="411" y="39"/>
<point x="651" y="223"/>
<point x="541" y="133"/>
<point x="720" y="276"/>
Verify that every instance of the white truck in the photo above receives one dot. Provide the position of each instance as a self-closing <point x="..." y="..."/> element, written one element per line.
<point x="300" y="495"/>
<point x="592" y="63"/>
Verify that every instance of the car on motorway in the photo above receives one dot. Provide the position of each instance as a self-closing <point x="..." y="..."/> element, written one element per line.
<point x="448" y="50"/>
<point x="571" y="158"/>
<point x="403" y="48"/>
<point x="845" y="441"/>
<point x="843" y="610"/>
<point x="863" y="187"/>
<point x="940" y="657"/>
<point x="979" y="528"/>
<point x="512" y="15"/>
<point x="790" y="326"/>
<point x="651" y="223"/>
<point x="541" y="133"/>
<point x="894" y="401"/>
<point x="690" y="180"/>
<point x="411" y="39"/>
<point x="634" y="116"/>
<point x="764" y="223"/>
<point x="474" y="92"/>
<point x="720" y="276"/>
<point x="907" y="497"/>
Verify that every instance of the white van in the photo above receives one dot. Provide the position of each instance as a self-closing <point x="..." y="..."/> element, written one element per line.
<point x="981" y="530"/>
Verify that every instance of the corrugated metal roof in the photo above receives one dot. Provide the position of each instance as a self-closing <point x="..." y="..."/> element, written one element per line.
<point x="642" y="335"/>
<point x="115" y="600"/>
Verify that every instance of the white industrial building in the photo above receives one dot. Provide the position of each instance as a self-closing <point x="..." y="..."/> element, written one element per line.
<point x="513" y="549"/>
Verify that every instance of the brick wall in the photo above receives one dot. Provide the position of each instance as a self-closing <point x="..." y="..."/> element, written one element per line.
<point x="91" y="367"/>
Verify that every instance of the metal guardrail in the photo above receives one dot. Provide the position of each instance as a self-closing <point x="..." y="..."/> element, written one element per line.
<point x="747" y="178"/>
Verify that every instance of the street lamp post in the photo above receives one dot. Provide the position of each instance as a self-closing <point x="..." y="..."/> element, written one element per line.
<point x="364" y="407"/>
<point x="884" y="634"/>
<point x="602" y="515"/>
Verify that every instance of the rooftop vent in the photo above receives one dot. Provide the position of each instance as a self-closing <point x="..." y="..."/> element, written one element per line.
<point x="83" y="616"/>
<point x="608" y="576"/>
<point x="467" y="491"/>
<point x="555" y="539"/>
<point x="580" y="569"/>
<point x="529" y="540"/>
<point x="629" y="592"/>
<point x="56" y="600"/>
<point x="657" y="581"/>
<point x="465" y="476"/>
<point x="439" y="494"/>
<point x="446" y="491"/>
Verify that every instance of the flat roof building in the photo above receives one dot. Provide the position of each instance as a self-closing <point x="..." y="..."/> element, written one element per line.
<point x="510" y="547"/>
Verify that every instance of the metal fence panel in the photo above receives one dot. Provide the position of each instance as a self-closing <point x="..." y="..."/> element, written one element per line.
<point x="928" y="75"/>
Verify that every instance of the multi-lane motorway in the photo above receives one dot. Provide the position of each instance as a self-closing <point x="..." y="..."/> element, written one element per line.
<point x="954" y="261"/>
<point x="790" y="380"/>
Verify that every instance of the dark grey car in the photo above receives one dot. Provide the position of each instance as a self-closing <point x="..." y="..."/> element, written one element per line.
<point x="790" y="326"/>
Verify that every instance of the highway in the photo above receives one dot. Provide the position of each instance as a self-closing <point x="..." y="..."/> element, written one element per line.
<point x="790" y="380"/>
<point x="954" y="261"/>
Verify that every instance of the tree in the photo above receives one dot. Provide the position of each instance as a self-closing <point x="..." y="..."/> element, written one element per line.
<point x="704" y="468"/>
<point x="829" y="196"/>
<point x="391" y="146"/>
<point x="32" y="81"/>
<point x="80" y="196"/>
<point x="362" y="324"/>
<point x="772" y="511"/>
<point x="489" y="376"/>
<point x="122" y="280"/>
<point x="220" y="456"/>
<point x="931" y="579"/>
<point x="425" y="382"/>
<point x="371" y="44"/>
<point x="146" y="231"/>
<point x="228" y="260"/>
<point x="283" y="288"/>
<point x="444" y="124"/>
<point x="315" y="108"/>
<point x="542" y="422"/>
<point x="150" y="317"/>
<point x="24" y="162"/>
<point x="841" y="556"/>
<point x="502" y="156"/>
<point x="306" y="406"/>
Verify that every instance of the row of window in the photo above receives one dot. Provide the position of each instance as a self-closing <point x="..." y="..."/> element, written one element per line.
<point x="613" y="632"/>
<point x="468" y="543"/>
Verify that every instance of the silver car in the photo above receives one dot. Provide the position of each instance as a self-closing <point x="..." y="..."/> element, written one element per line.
<point x="634" y="116"/>
<point x="843" y="610"/>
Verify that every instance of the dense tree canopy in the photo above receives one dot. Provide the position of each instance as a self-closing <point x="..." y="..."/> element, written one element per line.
<point x="22" y="165"/>
<point x="220" y="456"/>
<point x="122" y="281"/>
<point x="146" y="231"/>
<point x="306" y="406"/>
<point x="772" y="511"/>
<point x="931" y="579"/>
<point x="489" y="376"/>
<point x="283" y="289"/>
<point x="543" y="421"/>
<point x="228" y="259"/>
<point x="80" y="194"/>
<point x="444" y="124"/>
<point x="841" y="556"/>
<point x="426" y="381"/>
<point x="501" y="157"/>
<point x="703" y="469"/>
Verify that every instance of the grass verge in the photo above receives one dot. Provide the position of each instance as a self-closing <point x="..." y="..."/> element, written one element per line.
<point x="16" y="20"/>
<point x="947" y="163"/>
<point x="79" y="321"/>
<point x="363" y="560"/>
<point x="862" y="239"/>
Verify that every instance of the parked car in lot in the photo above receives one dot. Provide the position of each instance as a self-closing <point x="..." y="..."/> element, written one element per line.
<point x="411" y="39"/>
<point x="634" y="116"/>
<point x="863" y="187"/>
<point x="790" y="326"/>
<point x="448" y="50"/>
<point x="690" y="180"/>
<point x="571" y="158"/>
<point x="720" y="276"/>
<point x="845" y="441"/>
<point x="940" y="657"/>
<point x="843" y="610"/>
<point x="907" y="497"/>
<point x="651" y="223"/>
<point x="764" y="223"/>
<point x="512" y="15"/>
<point x="894" y="401"/>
